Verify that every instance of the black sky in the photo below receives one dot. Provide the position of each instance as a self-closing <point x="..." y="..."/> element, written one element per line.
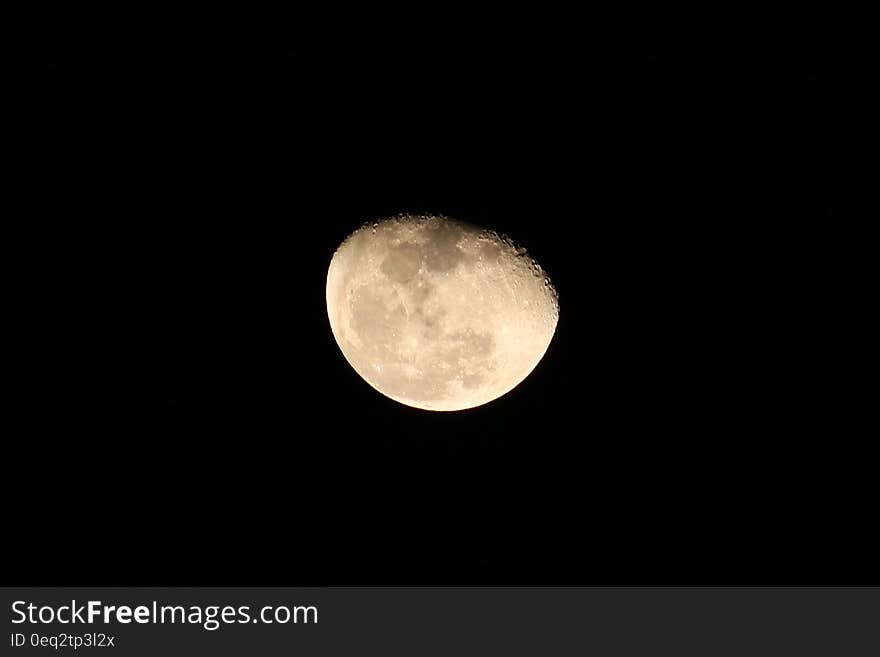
<point x="187" y="418"/>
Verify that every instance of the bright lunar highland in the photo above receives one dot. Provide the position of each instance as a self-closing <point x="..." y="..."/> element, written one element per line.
<point x="439" y="314"/>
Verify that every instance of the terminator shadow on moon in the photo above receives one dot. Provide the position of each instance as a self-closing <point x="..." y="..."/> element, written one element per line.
<point x="439" y="314"/>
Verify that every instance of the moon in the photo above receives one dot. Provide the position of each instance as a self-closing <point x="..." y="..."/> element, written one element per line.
<point x="439" y="314"/>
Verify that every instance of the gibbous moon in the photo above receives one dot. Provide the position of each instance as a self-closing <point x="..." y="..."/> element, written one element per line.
<point x="439" y="314"/>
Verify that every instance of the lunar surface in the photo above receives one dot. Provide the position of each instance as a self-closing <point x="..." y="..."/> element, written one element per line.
<point x="439" y="314"/>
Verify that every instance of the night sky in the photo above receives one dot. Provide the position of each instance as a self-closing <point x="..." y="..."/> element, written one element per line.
<point x="183" y="416"/>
